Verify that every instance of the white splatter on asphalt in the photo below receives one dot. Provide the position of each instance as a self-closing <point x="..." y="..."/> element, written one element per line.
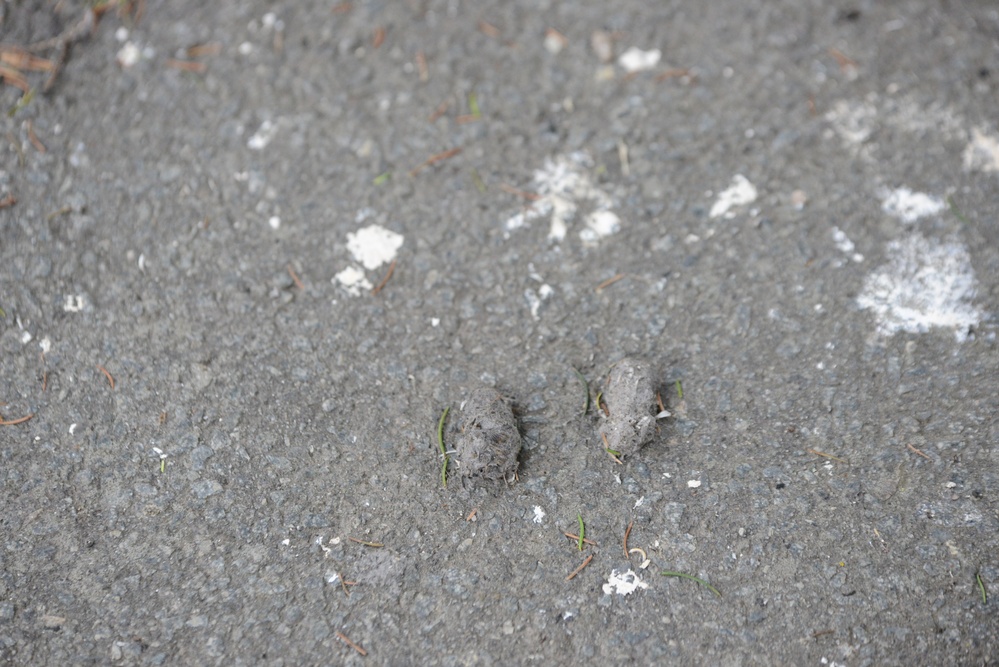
<point x="924" y="284"/>
<point x="740" y="193"/>
<point x="909" y="206"/>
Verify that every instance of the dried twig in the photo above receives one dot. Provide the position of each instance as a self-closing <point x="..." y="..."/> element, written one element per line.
<point x="187" y="65"/>
<point x="609" y="282"/>
<point x="434" y="159"/>
<point x="529" y="196"/>
<point x="828" y="456"/>
<point x="342" y="637"/>
<point x="580" y="568"/>
<point x="576" y="537"/>
<point x="918" y="451"/>
<point x="367" y="544"/>
<point x="294" y="276"/>
<point x="627" y="532"/>
<point x="33" y="138"/>
<point x="13" y="422"/>
<point x="107" y="375"/>
<point x="379" y="286"/>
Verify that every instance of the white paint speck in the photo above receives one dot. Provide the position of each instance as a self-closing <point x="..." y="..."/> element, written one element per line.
<point x="353" y="280"/>
<point x="128" y="55"/>
<point x="121" y="34"/>
<point x="740" y="193"/>
<point x="245" y="49"/>
<point x="982" y="152"/>
<point x="285" y="541"/>
<point x="845" y="245"/>
<point x="562" y="185"/>
<point x="263" y="136"/>
<point x="909" y="206"/>
<point x="925" y="284"/>
<point x="45" y="344"/>
<point x="638" y="503"/>
<point x="623" y="583"/>
<point x="539" y="514"/>
<point x="142" y="262"/>
<point x="535" y="299"/>
<point x="637" y="60"/>
<point x="274" y="222"/>
<point x="435" y="321"/>
<point x="693" y="483"/>
<point x="374" y="245"/>
<point x="72" y="428"/>
<point x="26" y="337"/>
<point x="73" y="303"/>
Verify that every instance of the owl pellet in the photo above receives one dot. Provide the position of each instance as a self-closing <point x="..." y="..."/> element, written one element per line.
<point x="488" y="443"/>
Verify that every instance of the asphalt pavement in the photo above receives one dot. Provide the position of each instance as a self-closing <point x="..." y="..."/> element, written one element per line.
<point x="250" y="252"/>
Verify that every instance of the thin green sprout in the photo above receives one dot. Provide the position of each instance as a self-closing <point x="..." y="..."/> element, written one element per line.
<point x="473" y="105"/>
<point x="477" y="181"/>
<point x="382" y="178"/>
<point x="586" y="388"/>
<point x="679" y="390"/>
<point x="440" y="444"/>
<point x="981" y="587"/>
<point x="582" y="531"/>
<point x="692" y="578"/>
<point x="956" y="211"/>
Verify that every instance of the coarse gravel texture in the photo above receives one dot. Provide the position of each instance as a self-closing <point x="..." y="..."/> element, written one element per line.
<point x="184" y="231"/>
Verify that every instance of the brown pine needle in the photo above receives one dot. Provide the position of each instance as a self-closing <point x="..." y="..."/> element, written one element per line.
<point x="294" y="276"/>
<point x="39" y="146"/>
<point x="421" y="67"/>
<point x="489" y="30"/>
<point x="367" y="544"/>
<point x="378" y="38"/>
<point x="580" y="568"/>
<point x="627" y="532"/>
<point x="576" y="539"/>
<point x="609" y="282"/>
<point x="529" y="196"/>
<point x="202" y="50"/>
<point x="828" y="456"/>
<point x="107" y="375"/>
<point x="378" y="288"/>
<point x="471" y="514"/>
<point x="187" y="65"/>
<point x="917" y="451"/>
<point x="13" y="422"/>
<point x="434" y="159"/>
<point x="342" y="637"/>
<point x="673" y="73"/>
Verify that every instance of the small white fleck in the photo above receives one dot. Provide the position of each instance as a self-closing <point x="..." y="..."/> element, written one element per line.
<point x="664" y="414"/>
<point x="45" y="344"/>
<point x="693" y="483"/>
<point x="268" y="19"/>
<point x="286" y="541"/>
<point x="539" y="514"/>
<point x="142" y="262"/>
<point x="353" y="280"/>
<point x="263" y="136"/>
<point x="26" y="337"/>
<point x="950" y="485"/>
<point x="434" y="321"/>
<point x="274" y="222"/>
<point x="623" y="583"/>
<point x="739" y="193"/>
<point x="639" y="502"/>
<point x="982" y="152"/>
<point x="73" y="303"/>
<point x="128" y="55"/>
<point x="72" y="428"/>
<point x="374" y="245"/>
<point x="637" y="60"/>
<point x="245" y="49"/>
<point x="909" y="206"/>
<point x="121" y="34"/>
<point x="821" y="365"/>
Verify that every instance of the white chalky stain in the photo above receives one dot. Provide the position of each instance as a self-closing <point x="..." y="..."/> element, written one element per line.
<point x="262" y="136"/>
<point x="740" y="193"/>
<point x="845" y="245"/>
<point x="623" y="583"/>
<point x="539" y="514"/>
<point x="925" y="284"/>
<point x="534" y="299"/>
<point x="73" y="303"/>
<point x="909" y="206"/>
<point x="562" y="185"/>
<point x="982" y="152"/>
<point x="353" y="280"/>
<point x="637" y="60"/>
<point x="373" y="245"/>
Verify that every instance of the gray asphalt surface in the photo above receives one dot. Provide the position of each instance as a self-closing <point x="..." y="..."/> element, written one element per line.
<point x="831" y="467"/>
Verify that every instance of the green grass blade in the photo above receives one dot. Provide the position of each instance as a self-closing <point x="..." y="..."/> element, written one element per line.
<point x="692" y="578"/>
<point x="582" y="531"/>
